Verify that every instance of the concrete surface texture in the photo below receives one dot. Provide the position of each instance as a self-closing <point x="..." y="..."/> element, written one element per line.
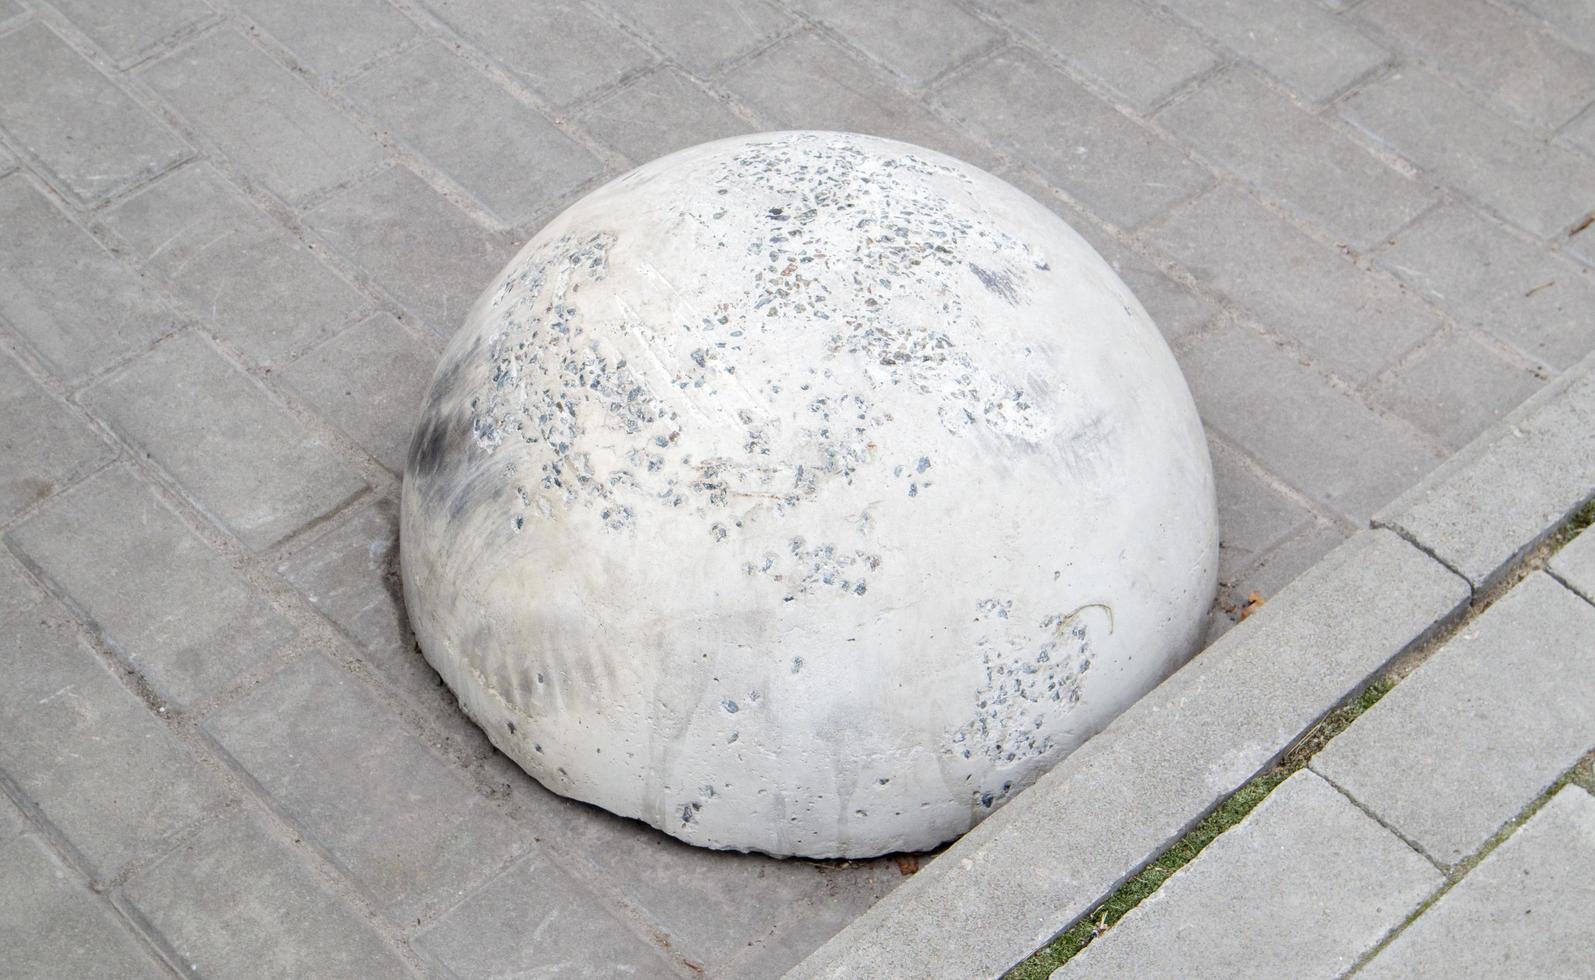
<point x="747" y="501"/>
<point x="235" y="236"/>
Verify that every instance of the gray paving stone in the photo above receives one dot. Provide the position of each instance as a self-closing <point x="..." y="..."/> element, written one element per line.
<point x="44" y="445"/>
<point x="734" y="915"/>
<point x="1295" y="158"/>
<point x="244" y="459"/>
<point x="1492" y="50"/>
<point x="1305" y="864"/>
<point x="188" y="623"/>
<point x="99" y="765"/>
<point x="1458" y="387"/>
<point x="535" y="920"/>
<point x="1572" y="20"/>
<point x="51" y="925"/>
<point x="1350" y="319"/>
<point x="1311" y="51"/>
<point x="1498" y="498"/>
<point x="659" y="113"/>
<point x="1113" y="166"/>
<point x="562" y="50"/>
<point x="397" y="818"/>
<point x="75" y="304"/>
<point x="1118" y="800"/>
<point x="918" y="40"/>
<point x="1535" y="184"/>
<point x="1321" y="441"/>
<point x="8" y="162"/>
<point x="237" y="269"/>
<point x="702" y="35"/>
<point x="1581" y="133"/>
<point x="331" y="37"/>
<point x="1481" y="727"/>
<point x="12" y="823"/>
<point x="1491" y="278"/>
<point x="235" y="902"/>
<point x="10" y="9"/>
<point x="1523" y="912"/>
<point x="1575" y="565"/>
<point x="513" y="160"/>
<point x="415" y="243"/>
<point x="1253" y="515"/>
<point x="271" y="124"/>
<point x="806" y="82"/>
<point x="351" y="574"/>
<point x="131" y="29"/>
<point x="106" y="143"/>
<point x="368" y="381"/>
<point x="1281" y="565"/>
<point x="1141" y="54"/>
<point x="1176" y="309"/>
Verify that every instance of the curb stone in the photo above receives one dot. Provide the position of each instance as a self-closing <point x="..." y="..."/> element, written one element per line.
<point x="1121" y="798"/>
<point x="1501" y="495"/>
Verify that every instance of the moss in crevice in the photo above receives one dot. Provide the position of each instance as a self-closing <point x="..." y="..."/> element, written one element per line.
<point x="1226" y="815"/>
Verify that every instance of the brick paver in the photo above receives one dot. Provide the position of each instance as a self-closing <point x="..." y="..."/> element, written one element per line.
<point x="1495" y="279"/>
<point x="255" y="283"/>
<point x="1308" y="165"/>
<point x="63" y="294"/>
<point x="1311" y="52"/>
<point x="46" y="445"/>
<point x="1507" y="166"/>
<point x="189" y="624"/>
<point x="417" y="836"/>
<point x="1306" y="864"/>
<point x="99" y="764"/>
<point x="1243" y="378"/>
<point x="234" y="236"/>
<point x="1078" y="143"/>
<point x="237" y="901"/>
<point x="1575" y="566"/>
<point x="534" y="919"/>
<point x="1523" y="912"/>
<point x="1133" y="50"/>
<point x="366" y="381"/>
<point x="262" y="473"/>
<point x="105" y="144"/>
<point x="456" y="117"/>
<point x="1480" y="728"/>
<point x="414" y="243"/>
<point x="51" y="925"/>
<point x="265" y="119"/>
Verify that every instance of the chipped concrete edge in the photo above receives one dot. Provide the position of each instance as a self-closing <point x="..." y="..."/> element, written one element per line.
<point x="1038" y="865"/>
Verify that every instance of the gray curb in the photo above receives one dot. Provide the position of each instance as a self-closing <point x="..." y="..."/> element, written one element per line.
<point x="1036" y="866"/>
<point x="1497" y="499"/>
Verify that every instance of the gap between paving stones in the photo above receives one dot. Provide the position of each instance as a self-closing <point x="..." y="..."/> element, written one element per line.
<point x="1000" y="884"/>
<point x="1581" y="773"/>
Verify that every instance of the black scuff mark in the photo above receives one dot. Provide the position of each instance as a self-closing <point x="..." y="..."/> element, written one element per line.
<point x="1000" y="283"/>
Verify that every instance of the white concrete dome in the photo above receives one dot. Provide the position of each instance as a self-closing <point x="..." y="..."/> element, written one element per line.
<point x="807" y="493"/>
